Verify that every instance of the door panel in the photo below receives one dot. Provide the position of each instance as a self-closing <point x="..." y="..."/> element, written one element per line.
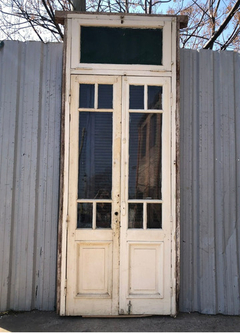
<point x="145" y="261"/>
<point x="145" y="249"/>
<point x="94" y="257"/>
<point x="119" y="234"/>
<point x="94" y="192"/>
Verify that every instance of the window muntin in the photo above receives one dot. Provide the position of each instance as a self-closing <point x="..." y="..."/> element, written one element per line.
<point x="95" y="96"/>
<point x="145" y="157"/>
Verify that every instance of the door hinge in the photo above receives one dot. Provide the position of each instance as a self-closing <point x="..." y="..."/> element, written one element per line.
<point x="65" y="287"/>
<point x="69" y="96"/>
<point x="171" y="99"/>
<point x="129" y="307"/>
<point x="67" y="221"/>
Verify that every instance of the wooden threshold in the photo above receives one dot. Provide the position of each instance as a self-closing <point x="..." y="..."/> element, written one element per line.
<point x="117" y="316"/>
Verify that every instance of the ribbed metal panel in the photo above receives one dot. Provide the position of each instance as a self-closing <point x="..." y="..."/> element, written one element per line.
<point x="210" y="182"/>
<point x="30" y="109"/>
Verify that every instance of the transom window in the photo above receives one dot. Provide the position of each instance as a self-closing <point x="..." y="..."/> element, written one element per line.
<point x="107" y="45"/>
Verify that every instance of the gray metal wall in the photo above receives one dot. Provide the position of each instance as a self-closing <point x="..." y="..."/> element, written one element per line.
<point x="30" y="106"/>
<point x="210" y="182"/>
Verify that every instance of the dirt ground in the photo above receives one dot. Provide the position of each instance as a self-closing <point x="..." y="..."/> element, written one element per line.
<point x="48" y="321"/>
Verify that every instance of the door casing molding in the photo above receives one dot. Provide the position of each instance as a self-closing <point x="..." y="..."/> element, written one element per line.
<point x="70" y="67"/>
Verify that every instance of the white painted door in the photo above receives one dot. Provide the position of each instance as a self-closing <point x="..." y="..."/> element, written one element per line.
<point x="119" y="256"/>
<point x="145" y="242"/>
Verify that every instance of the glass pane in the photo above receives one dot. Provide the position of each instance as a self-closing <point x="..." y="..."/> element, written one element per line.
<point x="153" y="131"/>
<point x="104" y="215"/>
<point x="84" y="215"/>
<point x="145" y="161"/>
<point x="154" y="98"/>
<point x="143" y="140"/>
<point x="105" y="96"/>
<point x="106" y="45"/>
<point x="135" y="215"/>
<point x="86" y="96"/>
<point x="154" y="216"/>
<point x="95" y="155"/>
<point x="136" y="97"/>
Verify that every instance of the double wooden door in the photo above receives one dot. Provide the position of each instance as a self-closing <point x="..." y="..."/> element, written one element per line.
<point x="119" y="243"/>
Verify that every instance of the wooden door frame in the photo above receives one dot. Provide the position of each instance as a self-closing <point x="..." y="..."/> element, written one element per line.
<point x="67" y="19"/>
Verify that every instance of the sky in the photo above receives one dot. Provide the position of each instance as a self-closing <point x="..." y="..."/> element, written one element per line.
<point x="27" y="34"/>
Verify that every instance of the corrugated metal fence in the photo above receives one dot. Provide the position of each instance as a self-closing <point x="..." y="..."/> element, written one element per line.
<point x="210" y="181"/>
<point x="30" y="106"/>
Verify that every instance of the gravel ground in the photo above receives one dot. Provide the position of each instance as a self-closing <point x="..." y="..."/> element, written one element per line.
<point x="47" y="321"/>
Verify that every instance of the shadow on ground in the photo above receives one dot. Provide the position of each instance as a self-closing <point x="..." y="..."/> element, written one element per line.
<point x="46" y="321"/>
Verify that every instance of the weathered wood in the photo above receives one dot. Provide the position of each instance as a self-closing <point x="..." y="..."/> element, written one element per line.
<point x="61" y="15"/>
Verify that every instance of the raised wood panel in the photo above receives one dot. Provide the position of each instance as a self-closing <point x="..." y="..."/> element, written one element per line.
<point x="146" y="269"/>
<point x="94" y="269"/>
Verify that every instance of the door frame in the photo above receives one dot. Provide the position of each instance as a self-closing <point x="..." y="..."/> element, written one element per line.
<point x="68" y="70"/>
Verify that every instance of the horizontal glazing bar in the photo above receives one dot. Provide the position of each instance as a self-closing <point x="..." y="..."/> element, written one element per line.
<point x="145" y="200"/>
<point x="94" y="110"/>
<point x="145" y="111"/>
<point x="95" y="200"/>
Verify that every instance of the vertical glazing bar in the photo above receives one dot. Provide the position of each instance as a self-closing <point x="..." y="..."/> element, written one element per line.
<point x="125" y="136"/>
<point x="96" y="96"/>
<point x="145" y="215"/>
<point x="145" y="97"/>
<point x="94" y="215"/>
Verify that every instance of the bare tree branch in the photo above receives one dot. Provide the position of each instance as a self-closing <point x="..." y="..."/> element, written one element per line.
<point x="231" y="37"/>
<point x="51" y="15"/>
<point x="216" y="8"/>
<point x="208" y="19"/>
<point x="211" y="41"/>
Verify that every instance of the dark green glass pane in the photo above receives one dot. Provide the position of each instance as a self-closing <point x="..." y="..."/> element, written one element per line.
<point x="154" y="97"/>
<point x="104" y="211"/>
<point x="153" y="130"/>
<point x="84" y="215"/>
<point x="135" y="215"/>
<point x="86" y="96"/>
<point x="154" y="216"/>
<point x="136" y="97"/>
<point x="143" y="141"/>
<point x="105" y="45"/>
<point x="145" y="156"/>
<point x="95" y="155"/>
<point x="105" y="96"/>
